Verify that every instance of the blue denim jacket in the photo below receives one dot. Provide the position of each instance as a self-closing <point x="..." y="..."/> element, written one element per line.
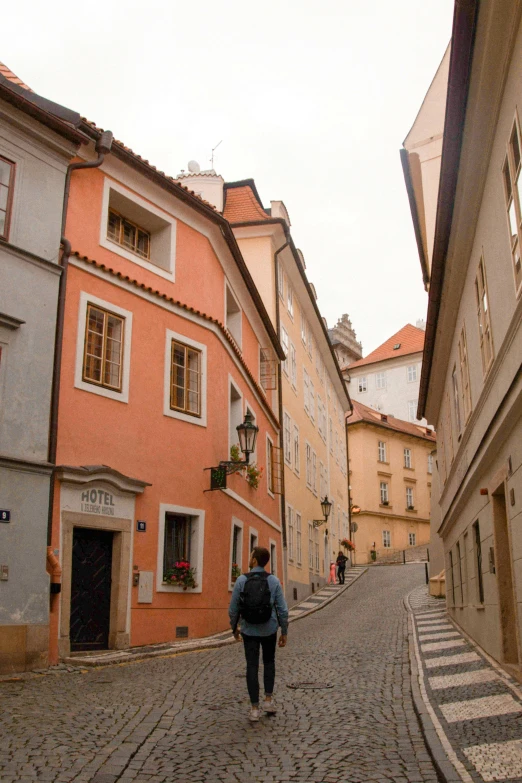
<point x="279" y="609"/>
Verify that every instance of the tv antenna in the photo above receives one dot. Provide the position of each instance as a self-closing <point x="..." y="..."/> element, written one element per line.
<point x="212" y="155"/>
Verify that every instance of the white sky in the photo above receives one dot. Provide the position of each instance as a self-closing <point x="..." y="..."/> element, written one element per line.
<point x="312" y="99"/>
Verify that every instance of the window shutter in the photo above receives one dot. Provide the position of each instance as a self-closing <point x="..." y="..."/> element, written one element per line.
<point x="268" y="370"/>
<point x="277" y="471"/>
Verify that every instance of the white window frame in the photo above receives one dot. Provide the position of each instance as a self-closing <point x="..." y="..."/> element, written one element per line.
<point x="314" y="472"/>
<point x="235" y="440"/>
<point x="110" y="184"/>
<point x="412" y="373"/>
<point x="311" y="400"/>
<point x="298" y="538"/>
<point x="290" y="527"/>
<point x="284" y="346"/>
<point x="197" y="540"/>
<point x="252" y="532"/>
<point x="200" y="421"/>
<point x="412" y="410"/>
<point x="304" y="329"/>
<point x="310" y="545"/>
<point x="386" y="539"/>
<point x="293" y="365"/>
<point x="308" y="464"/>
<point x="290" y="300"/>
<point x="287" y="438"/>
<point x="306" y="390"/>
<point x="430" y="463"/>
<point x="296" y="448"/>
<point x="407" y="458"/>
<point x="409" y="497"/>
<point x="362" y="384"/>
<point x="281" y="281"/>
<point x="272" y="548"/>
<point x="93" y="388"/>
<point x="381" y="451"/>
<point x="412" y="539"/>
<point x="384" y="492"/>
<point x="236" y="330"/>
<point x="269" y="465"/>
<point x="380" y="380"/>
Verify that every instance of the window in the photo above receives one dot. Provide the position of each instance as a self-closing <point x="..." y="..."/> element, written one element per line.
<point x="486" y="342"/>
<point x="310" y="343"/>
<point x="233" y="317"/>
<point x="306" y="390"/>
<point x="293" y="366"/>
<point x="235" y="415"/>
<point x="314" y="472"/>
<point x="465" y="387"/>
<point x="512" y="186"/>
<point x="459" y="560"/>
<point x="412" y="373"/>
<point x="456" y="405"/>
<point x="478" y="562"/>
<point x="384" y="493"/>
<point x="185" y="379"/>
<point x="290" y="518"/>
<point x="330" y="428"/>
<point x="303" y="329"/>
<point x="452" y="576"/>
<point x="412" y="538"/>
<point x="297" y="456"/>
<point x="290" y="302"/>
<point x="137" y="230"/>
<point x="386" y="539"/>
<point x="298" y="533"/>
<point x="362" y="384"/>
<point x="178" y="531"/>
<point x="412" y="410"/>
<point x="237" y="549"/>
<point x="103" y="352"/>
<point x="310" y="546"/>
<point x="284" y="345"/>
<point x="7" y="172"/>
<point x="316" y="549"/>
<point x="322" y="479"/>
<point x="253" y="540"/>
<point x="337" y="448"/>
<point x="308" y="466"/>
<point x="269" y="465"/>
<point x="281" y="281"/>
<point x="127" y="234"/>
<point x="287" y="435"/>
<point x="409" y="497"/>
<point x="407" y="458"/>
<point x="311" y="399"/>
<point x="430" y="463"/>
<point x="382" y="451"/>
<point x="380" y="380"/>
<point x="273" y="559"/>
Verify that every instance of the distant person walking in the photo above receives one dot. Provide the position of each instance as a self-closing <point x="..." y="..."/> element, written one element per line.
<point x="259" y="605"/>
<point x="331" y="576"/>
<point x="341" y="566"/>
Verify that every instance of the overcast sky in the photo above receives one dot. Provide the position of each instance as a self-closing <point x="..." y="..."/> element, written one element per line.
<point x="311" y="98"/>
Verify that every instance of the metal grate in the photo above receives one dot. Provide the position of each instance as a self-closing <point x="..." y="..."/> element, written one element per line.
<point x="309" y="686"/>
<point x="182" y="632"/>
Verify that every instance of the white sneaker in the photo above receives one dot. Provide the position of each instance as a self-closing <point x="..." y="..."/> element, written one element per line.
<point x="254" y="714"/>
<point x="270" y="707"/>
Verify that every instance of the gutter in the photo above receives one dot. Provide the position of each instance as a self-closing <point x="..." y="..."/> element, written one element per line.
<point x="405" y="160"/>
<point x="461" y="58"/>
<point x="167" y="183"/>
<point x="103" y="147"/>
<point x="280" y="405"/>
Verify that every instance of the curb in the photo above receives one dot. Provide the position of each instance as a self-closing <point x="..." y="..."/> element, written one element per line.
<point x="439" y="747"/>
<point x="168" y="650"/>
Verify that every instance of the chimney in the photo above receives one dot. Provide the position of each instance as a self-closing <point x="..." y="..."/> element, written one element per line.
<point x="421" y="324"/>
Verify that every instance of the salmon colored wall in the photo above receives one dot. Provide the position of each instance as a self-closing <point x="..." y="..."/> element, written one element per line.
<point x="137" y="439"/>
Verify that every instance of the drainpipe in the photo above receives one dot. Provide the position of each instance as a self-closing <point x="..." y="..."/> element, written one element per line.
<point x="348" y="416"/>
<point x="280" y="403"/>
<point x="103" y="147"/>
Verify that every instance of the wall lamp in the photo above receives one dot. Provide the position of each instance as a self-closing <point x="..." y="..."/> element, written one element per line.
<point x="326" y="507"/>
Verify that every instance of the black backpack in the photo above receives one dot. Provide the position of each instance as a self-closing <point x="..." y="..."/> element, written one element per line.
<point x="255" y="601"/>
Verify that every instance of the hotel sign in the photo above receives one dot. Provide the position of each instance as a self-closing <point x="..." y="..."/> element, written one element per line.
<point x="97" y="501"/>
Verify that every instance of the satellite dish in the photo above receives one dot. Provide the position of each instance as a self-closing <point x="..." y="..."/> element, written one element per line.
<point x="194" y="167"/>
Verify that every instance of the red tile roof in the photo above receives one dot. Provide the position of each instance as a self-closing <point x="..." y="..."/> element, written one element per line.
<point x="12" y="77"/>
<point x="364" y="413"/>
<point x="409" y="338"/>
<point x="242" y="204"/>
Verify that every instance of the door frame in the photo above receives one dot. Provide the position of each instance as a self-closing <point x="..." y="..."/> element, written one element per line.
<point x="119" y="636"/>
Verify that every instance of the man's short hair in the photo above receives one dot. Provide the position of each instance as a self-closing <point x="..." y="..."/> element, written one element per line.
<point x="261" y="554"/>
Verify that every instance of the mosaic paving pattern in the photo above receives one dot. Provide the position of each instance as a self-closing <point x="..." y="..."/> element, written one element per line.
<point x="497" y="760"/>
<point x="479" y="708"/>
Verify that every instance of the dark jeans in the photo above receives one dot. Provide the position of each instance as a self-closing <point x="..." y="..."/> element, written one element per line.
<point x="252" y="645"/>
<point x="340" y="574"/>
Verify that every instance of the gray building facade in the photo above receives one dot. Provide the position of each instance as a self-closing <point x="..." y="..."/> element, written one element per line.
<point x="36" y="146"/>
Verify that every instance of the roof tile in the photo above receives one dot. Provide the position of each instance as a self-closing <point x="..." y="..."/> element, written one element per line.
<point x="409" y="338"/>
<point x="364" y="413"/>
<point x="241" y="206"/>
<point x="12" y="77"/>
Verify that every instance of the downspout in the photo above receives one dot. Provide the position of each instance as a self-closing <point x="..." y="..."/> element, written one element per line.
<point x="349" y="415"/>
<point x="103" y="147"/>
<point x="280" y="404"/>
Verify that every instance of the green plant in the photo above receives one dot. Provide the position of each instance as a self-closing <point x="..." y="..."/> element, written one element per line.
<point x="373" y="554"/>
<point x="252" y="472"/>
<point x="347" y="544"/>
<point x="236" y="571"/>
<point x="180" y="575"/>
<point x="235" y="453"/>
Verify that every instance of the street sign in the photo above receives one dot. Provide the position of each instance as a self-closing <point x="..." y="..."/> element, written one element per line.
<point x="141" y="525"/>
<point x="5" y="515"/>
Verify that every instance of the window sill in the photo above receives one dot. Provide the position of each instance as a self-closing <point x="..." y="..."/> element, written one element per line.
<point x="381" y="505"/>
<point x="408" y="468"/>
<point x="411" y="510"/>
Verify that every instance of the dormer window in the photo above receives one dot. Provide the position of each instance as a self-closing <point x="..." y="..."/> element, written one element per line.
<point x="397" y="346"/>
<point x="128" y="234"/>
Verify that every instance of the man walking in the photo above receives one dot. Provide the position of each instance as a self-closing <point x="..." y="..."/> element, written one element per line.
<point x="258" y="599"/>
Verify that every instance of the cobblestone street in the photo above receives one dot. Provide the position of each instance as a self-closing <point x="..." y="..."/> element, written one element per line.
<point x="184" y="718"/>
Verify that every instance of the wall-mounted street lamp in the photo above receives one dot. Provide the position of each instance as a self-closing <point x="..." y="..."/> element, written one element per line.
<point x="326" y="507"/>
<point x="247" y="434"/>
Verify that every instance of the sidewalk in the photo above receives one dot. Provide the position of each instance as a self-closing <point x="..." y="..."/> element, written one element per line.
<point x="311" y="604"/>
<point x="470" y="709"/>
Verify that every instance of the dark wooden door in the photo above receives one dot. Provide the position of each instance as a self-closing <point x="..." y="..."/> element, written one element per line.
<point x="91" y="589"/>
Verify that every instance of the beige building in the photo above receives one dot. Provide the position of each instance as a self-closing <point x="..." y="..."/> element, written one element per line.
<point x="391" y="466"/>
<point x="313" y="398"/>
<point x="471" y="383"/>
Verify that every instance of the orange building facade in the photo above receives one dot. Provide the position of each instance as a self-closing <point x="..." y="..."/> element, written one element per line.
<point x="166" y="347"/>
